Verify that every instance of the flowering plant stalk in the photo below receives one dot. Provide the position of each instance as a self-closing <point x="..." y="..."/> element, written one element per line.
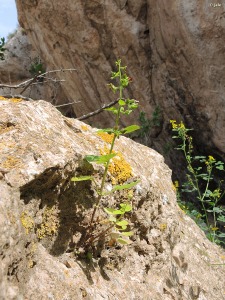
<point x="117" y="224"/>
<point x="199" y="181"/>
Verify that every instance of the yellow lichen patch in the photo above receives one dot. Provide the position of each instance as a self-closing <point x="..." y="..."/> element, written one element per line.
<point x="15" y="100"/>
<point x="84" y="127"/>
<point x="50" y="223"/>
<point x="7" y="145"/>
<point x="10" y="162"/>
<point x="163" y="226"/>
<point x="27" y="222"/>
<point x="106" y="137"/>
<point x="30" y="263"/>
<point x="119" y="168"/>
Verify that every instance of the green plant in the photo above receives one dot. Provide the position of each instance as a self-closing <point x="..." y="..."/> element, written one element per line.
<point x="118" y="226"/>
<point x="37" y="68"/>
<point x="200" y="180"/>
<point x="2" y="49"/>
<point x="147" y="124"/>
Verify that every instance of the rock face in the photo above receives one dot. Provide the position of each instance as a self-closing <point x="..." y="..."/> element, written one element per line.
<point x="20" y="58"/>
<point x="43" y="214"/>
<point x="174" y="51"/>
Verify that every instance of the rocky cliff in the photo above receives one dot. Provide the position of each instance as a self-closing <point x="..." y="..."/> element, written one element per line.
<point x="174" y="51"/>
<point x="43" y="215"/>
<point x="18" y="66"/>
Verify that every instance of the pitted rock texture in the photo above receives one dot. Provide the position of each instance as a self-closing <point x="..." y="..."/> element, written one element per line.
<point x="43" y="214"/>
<point x="174" y="51"/>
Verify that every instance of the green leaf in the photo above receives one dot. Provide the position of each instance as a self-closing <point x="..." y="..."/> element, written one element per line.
<point x="122" y="102"/>
<point x="200" y="157"/>
<point x="220" y="167"/>
<point x="112" y="219"/>
<point x="122" y="223"/>
<point x="82" y="178"/>
<point x="113" y="87"/>
<point x="221" y="219"/>
<point x="102" y="159"/>
<point x="127" y="233"/>
<point x="127" y="112"/>
<point x="89" y="256"/>
<point x="123" y="241"/>
<point x="221" y="235"/>
<point x="124" y="186"/>
<point x="126" y="207"/>
<point x="217" y="210"/>
<point x="112" y="109"/>
<point x="115" y="74"/>
<point x="108" y="130"/>
<point x="112" y="211"/>
<point x="130" y="129"/>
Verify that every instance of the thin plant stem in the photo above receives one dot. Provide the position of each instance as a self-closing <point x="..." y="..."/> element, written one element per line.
<point x="110" y="152"/>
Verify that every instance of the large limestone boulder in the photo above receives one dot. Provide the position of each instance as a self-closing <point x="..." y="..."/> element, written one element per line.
<point x="43" y="214"/>
<point x="174" y="51"/>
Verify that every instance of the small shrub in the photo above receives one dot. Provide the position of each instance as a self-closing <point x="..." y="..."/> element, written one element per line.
<point x="37" y="68"/>
<point x="2" y="49"/>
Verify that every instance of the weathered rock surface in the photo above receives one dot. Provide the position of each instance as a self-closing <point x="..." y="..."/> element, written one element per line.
<point x="174" y="51"/>
<point x="42" y="214"/>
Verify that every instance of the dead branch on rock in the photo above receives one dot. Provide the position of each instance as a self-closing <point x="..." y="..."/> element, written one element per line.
<point x="25" y="84"/>
<point x="97" y="111"/>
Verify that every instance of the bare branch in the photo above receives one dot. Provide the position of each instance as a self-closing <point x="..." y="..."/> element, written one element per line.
<point x="97" y="111"/>
<point x="66" y="104"/>
<point x="30" y="81"/>
<point x="17" y="86"/>
<point x="30" y="99"/>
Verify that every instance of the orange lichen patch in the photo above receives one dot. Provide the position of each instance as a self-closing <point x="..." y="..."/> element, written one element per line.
<point x="10" y="162"/>
<point x="119" y="168"/>
<point x="15" y="100"/>
<point x="106" y="137"/>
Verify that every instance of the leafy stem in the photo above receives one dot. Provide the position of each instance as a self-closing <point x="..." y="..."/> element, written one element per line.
<point x="124" y="106"/>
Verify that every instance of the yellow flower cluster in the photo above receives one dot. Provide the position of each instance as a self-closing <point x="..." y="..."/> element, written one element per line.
<point x="210" y="160"/>
<point x="177" y="126"/>
<point x="175" y="185"/>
